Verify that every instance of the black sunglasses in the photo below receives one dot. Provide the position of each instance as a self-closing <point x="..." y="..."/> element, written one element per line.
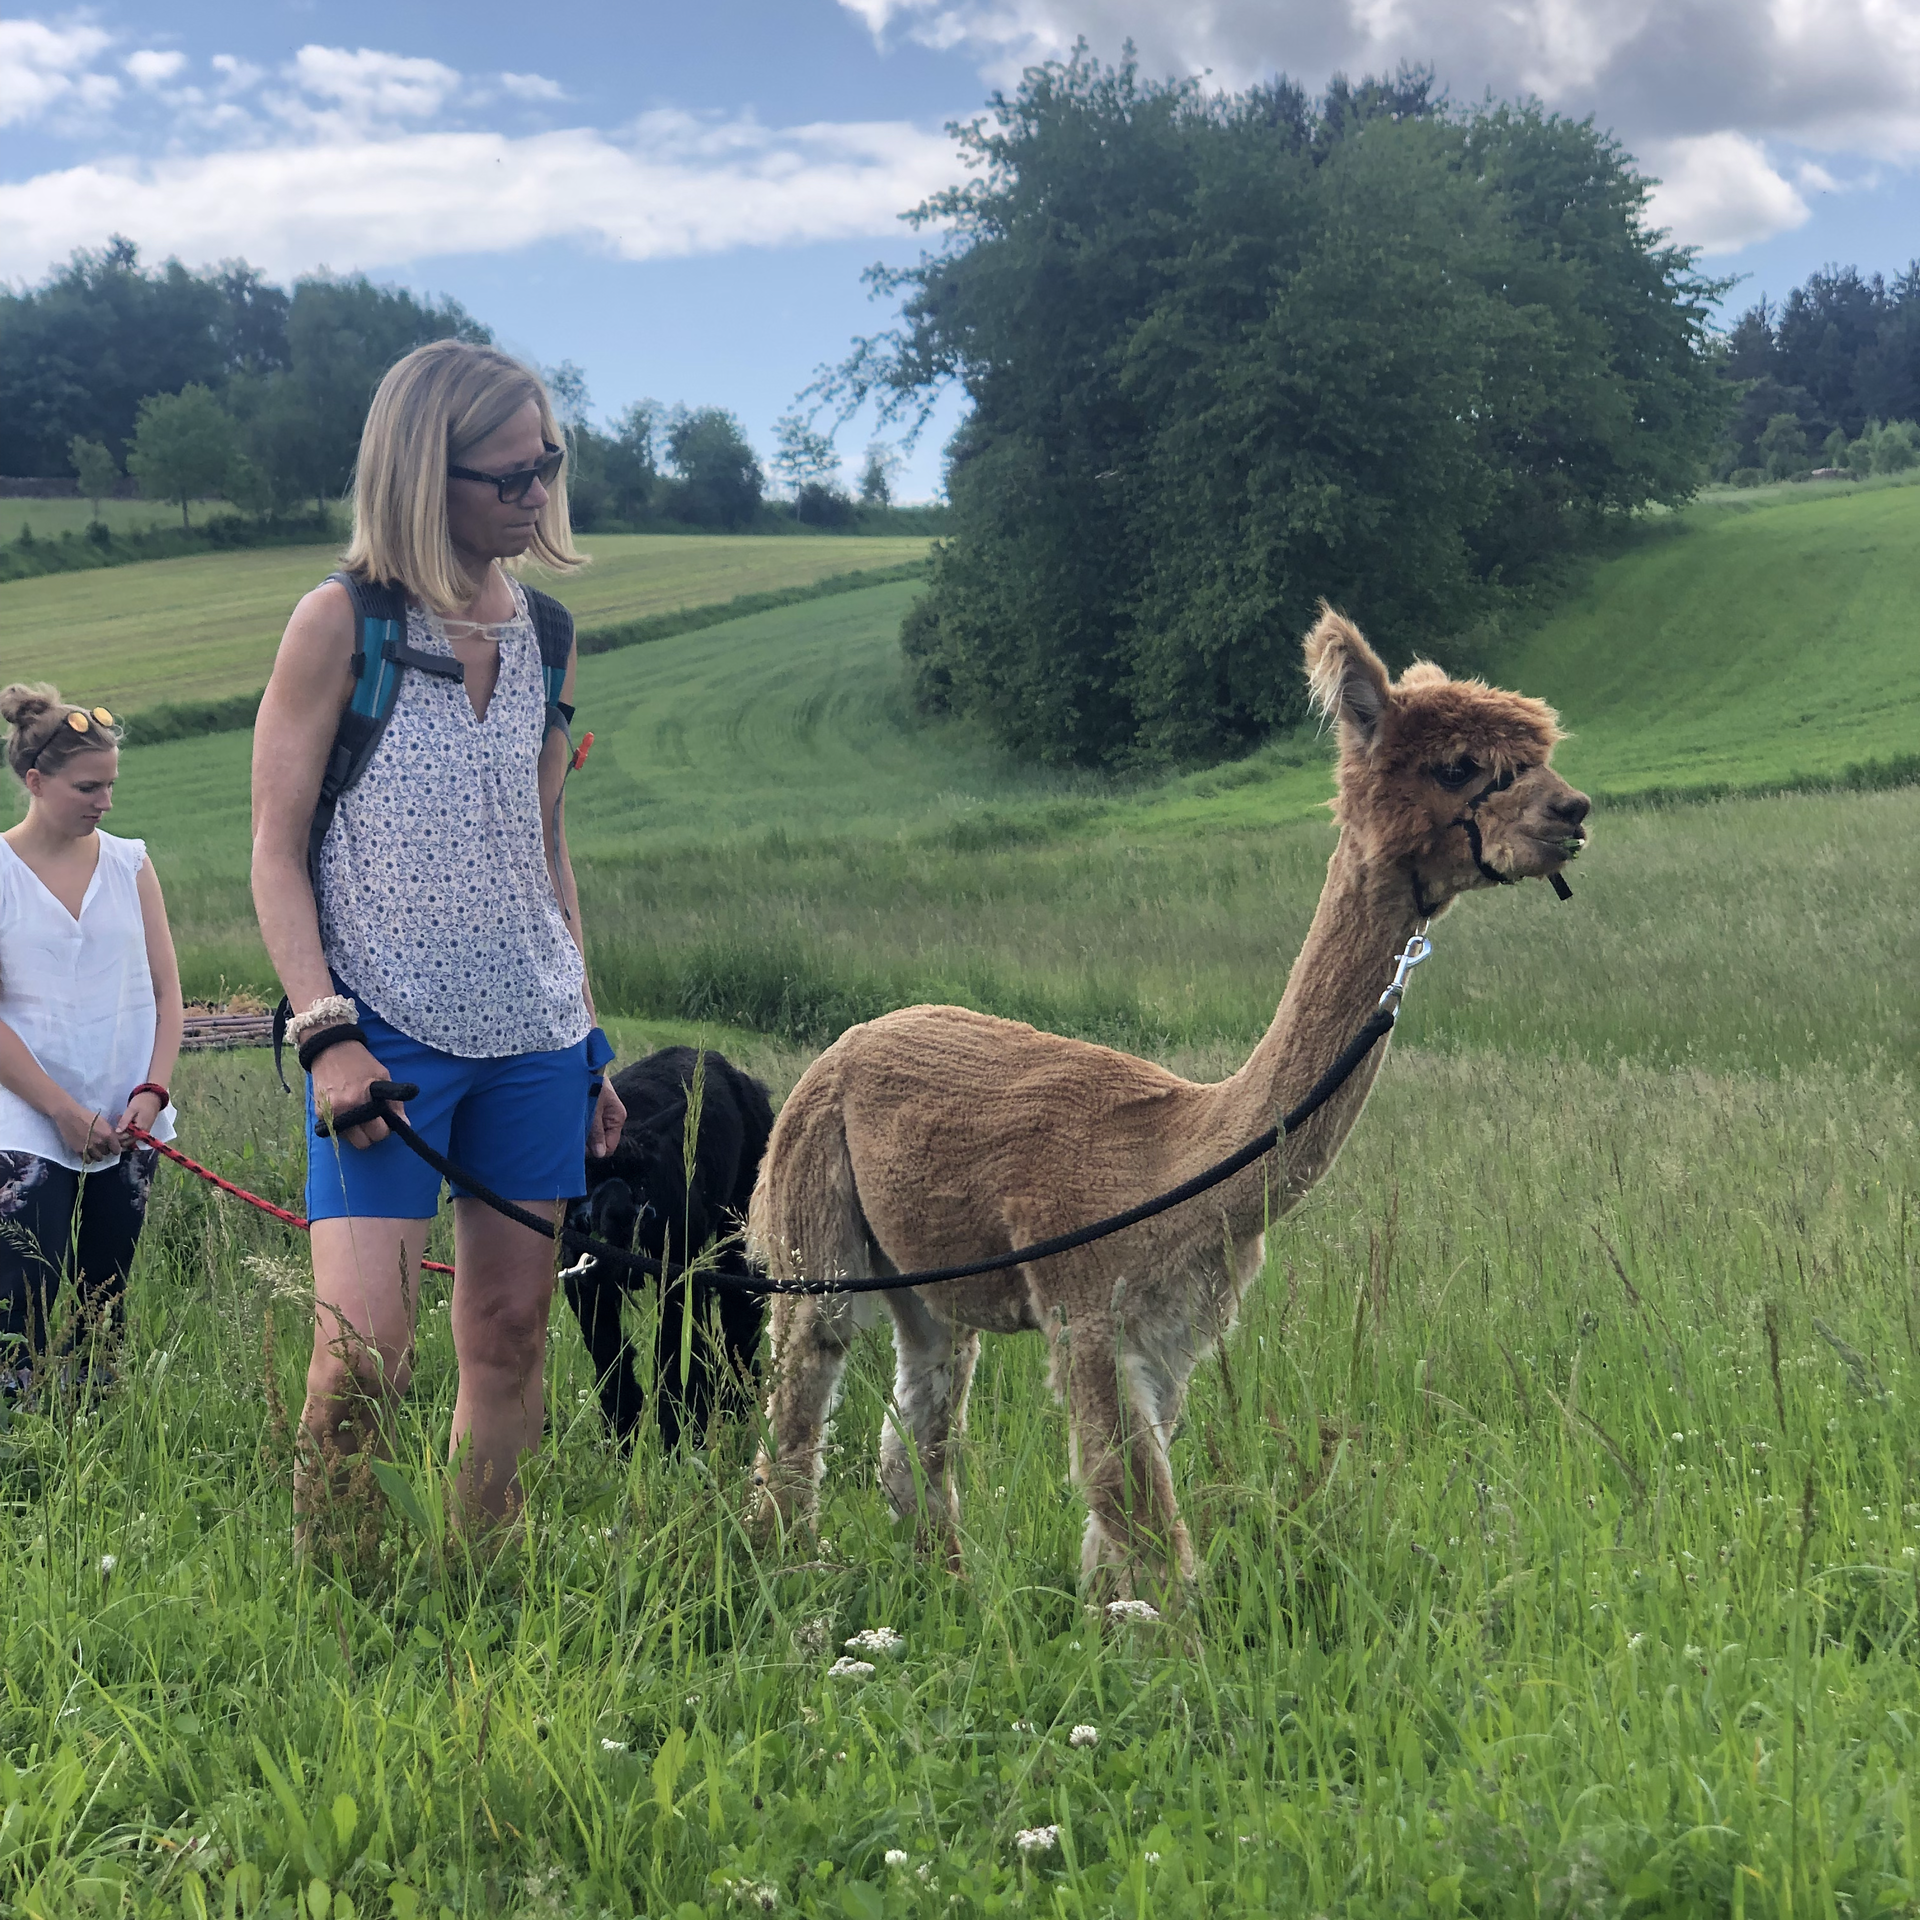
<point x="513" y="486"/>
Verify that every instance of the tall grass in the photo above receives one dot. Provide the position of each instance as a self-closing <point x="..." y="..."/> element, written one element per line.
<point x="1694" y="934"/>
<point x="1531" y="1584"/>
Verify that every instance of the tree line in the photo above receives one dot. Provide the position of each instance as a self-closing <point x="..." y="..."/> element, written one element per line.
<point x="1228" y="353"/>
<point x="1828" y="377"/>
<point x="219" y="384"/>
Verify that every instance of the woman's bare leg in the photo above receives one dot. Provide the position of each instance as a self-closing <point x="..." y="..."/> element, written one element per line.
<point x="502" y="1290"/>
<point x="365" y="1293"/>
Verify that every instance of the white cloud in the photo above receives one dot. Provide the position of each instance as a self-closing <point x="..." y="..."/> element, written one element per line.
<point x="235" y="74"/>
<point x="44" y="67"/>
<point x="366" y="86"/>
<point x="532" y="86"/>
<point x="675" y="185"/>
<point x="152" y="67"/>
<point x="1840" y="75"/>
<point x="1719" y="192"/>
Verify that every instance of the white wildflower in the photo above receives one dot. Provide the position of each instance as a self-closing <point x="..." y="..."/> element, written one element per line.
<point x="1635" y="1642"/>
<point x="1132" y="1610"/>
<point x="845" y="1669"/>
<point x="107" y="1564"/>
<point x="1678" y="1438"/>
<point x="1037" y="1839"/>
<point x="896" y="1856"/>
<point x="613" y="1746"/>
<point x="756" y="1893"/>
<point x="1151" y="1858"/>
<point x="1084" y="1736"/>
<point x="876" y="1640"/>
<point x="1026" y="1726"/>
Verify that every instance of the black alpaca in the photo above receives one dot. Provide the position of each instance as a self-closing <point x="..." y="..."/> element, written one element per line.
<point x="639" y="1196"/>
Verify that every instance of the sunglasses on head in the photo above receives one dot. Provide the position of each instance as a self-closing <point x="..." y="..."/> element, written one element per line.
<point x="512" y="487"/>
<point x="79" y="719"/>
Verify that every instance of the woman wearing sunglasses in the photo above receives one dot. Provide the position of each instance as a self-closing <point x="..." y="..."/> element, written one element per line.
<point x="435" y="939"/>
<point x="90" y="1022"/>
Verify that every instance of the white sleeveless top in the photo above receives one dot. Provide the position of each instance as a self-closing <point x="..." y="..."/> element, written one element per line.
<point x="436" y="907"/>
<point x="79" y="993"/>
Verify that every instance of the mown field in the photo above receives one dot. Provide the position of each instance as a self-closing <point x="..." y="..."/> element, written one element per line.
<point x="204" y="627"/>
<point x="1558" y="1501"/>
<point x="49" y="519"/>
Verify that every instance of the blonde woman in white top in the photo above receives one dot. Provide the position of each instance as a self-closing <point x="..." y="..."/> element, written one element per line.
<point x="90" y="1021"/>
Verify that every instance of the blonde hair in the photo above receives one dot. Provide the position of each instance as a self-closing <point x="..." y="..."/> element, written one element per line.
<point x="41" y="735"/>
<point x="434" y="406"/>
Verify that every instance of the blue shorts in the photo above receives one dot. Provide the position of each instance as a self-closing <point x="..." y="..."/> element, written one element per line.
<point x="518" y="1124"/>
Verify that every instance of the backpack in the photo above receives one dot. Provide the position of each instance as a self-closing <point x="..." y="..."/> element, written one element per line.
<point x="381" y="656"/>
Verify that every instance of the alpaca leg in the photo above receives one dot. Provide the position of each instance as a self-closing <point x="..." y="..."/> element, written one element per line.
<point x="933" y="1369"/>
<point x="1120" y="1407"/>
<point x="811" y="1339"/>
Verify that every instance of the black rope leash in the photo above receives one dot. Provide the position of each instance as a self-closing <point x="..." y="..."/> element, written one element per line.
<point x="1377" y="1026"/>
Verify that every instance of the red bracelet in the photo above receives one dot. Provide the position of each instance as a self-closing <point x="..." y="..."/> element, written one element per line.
<point x="149" y="1086"/>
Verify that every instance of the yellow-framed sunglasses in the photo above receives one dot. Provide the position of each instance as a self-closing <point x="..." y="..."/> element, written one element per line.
<point x="81" y="718"/>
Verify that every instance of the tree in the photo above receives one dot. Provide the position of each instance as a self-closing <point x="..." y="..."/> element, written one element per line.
<point x="80" y="351"/>
<point x="1783" y="447"/>
<point x="876" y="477"/>
<point x="567" y="389"/>
<point x="633" y="458"/>
<point x="246" y="485"/>
<point x="803" y="455"/>
<point x="718" y="479"/>
<point x="183" y="446"/>
<point x="1229" y="353"/>
<point x="95" y="469"/>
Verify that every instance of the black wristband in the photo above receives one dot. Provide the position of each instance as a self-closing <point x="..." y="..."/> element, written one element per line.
<point x="315" y="1044"/>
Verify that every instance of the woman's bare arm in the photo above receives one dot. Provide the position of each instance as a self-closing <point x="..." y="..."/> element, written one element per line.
<point x="609" y="1115"/>
<point x="169" y="1016"/>
<point x="555" y="756"/>
<point x="312" y="682"/>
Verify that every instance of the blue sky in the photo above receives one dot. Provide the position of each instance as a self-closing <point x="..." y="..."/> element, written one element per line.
<point x="681" y="199"/>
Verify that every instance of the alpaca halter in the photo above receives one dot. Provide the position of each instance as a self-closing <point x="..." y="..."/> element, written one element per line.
<point x="1471" y="827"/>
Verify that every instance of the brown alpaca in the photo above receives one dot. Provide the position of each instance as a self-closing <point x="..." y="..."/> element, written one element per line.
<point x="935" y="1136"/>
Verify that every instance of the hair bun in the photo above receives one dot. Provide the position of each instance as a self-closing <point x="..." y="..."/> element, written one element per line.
<point x="21" y="705"/>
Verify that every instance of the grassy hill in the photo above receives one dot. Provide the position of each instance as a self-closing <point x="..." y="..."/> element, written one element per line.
<point x="1741" y="644"/>
<point x="205" y="627"/>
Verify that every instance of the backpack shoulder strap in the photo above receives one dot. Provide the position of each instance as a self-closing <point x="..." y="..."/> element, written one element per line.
<point x="380" y="657"/>
<point x="553" y="626"/>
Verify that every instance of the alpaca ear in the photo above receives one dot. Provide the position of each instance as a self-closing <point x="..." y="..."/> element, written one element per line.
<point x="1346" y="681"/>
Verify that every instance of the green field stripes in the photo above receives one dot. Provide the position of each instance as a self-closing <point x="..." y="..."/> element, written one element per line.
<point x="204" y="628"/>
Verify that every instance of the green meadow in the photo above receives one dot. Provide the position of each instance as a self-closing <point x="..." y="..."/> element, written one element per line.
<point x="1558" y="1500"/>
<point x="204" y="627"/>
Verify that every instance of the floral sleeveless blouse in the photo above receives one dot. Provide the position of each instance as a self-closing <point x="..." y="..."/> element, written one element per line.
<point x="437" y="910"/>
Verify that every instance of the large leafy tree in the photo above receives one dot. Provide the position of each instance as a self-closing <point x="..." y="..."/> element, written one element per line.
<point x="1229" y="353"/>
<point x="79" y="353"/>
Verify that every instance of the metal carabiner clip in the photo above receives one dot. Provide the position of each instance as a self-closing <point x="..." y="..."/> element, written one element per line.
<point x="1417" y="948"/>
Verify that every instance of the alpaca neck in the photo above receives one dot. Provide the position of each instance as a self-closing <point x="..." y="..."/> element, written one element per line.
<point x="1364" y="919"/>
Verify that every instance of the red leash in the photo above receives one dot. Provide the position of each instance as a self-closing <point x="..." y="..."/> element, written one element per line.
<point x="240" y="1193"/>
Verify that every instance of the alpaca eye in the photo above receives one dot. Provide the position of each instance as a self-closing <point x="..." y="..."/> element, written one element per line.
<point x="1456" y="774"/>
